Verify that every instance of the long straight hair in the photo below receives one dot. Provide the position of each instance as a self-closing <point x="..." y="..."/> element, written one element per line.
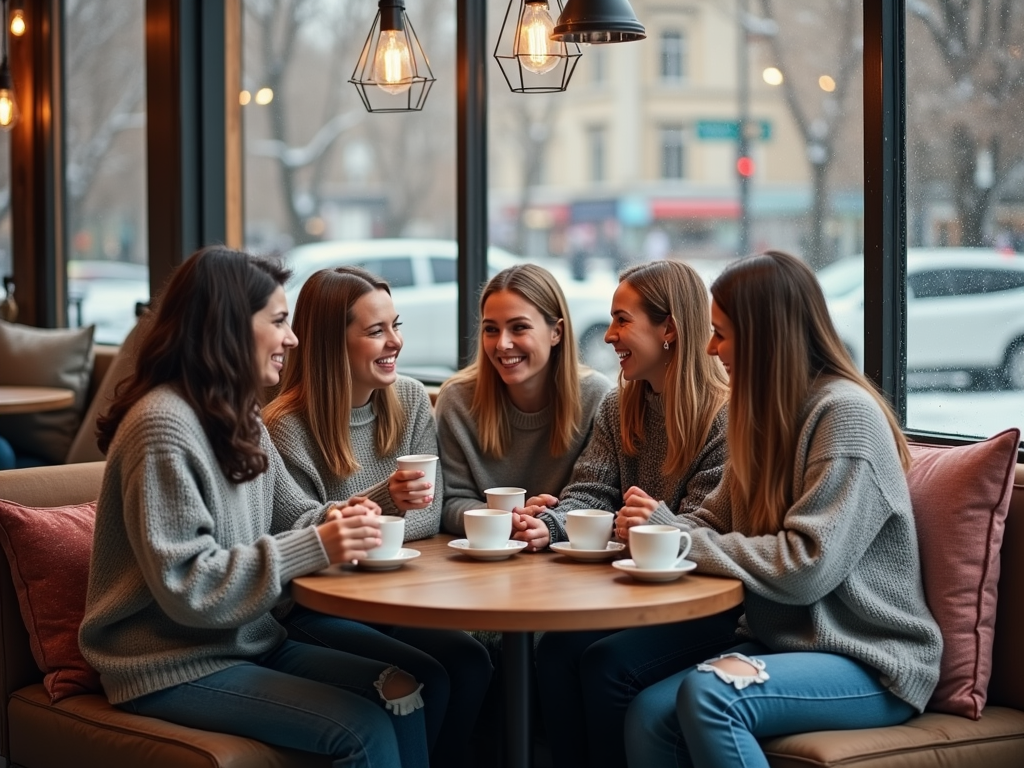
<point x="696" y="386"/>
<point x="491" y="405"/>
<point x="201" y="341"/>
<point x="316" y="382"/>
<point x="784" y="341"/>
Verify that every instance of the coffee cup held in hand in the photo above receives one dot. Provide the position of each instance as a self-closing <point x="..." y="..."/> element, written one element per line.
<point x="424" y="462"/>
<point x="505" y="497"/>
<point x="392" y="534"/>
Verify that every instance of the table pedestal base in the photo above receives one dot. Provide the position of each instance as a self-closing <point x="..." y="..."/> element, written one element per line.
<point x="516" y="648"/>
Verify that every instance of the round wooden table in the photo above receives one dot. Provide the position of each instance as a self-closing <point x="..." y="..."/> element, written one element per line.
<point x="444" y="589"/>
<point x="34" y="399"/>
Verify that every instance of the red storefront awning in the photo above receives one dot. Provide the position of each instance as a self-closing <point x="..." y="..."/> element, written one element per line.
<point x="695" y="209"/>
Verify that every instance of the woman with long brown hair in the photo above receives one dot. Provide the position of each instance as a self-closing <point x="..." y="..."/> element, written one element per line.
<point x="657" y="449"/>
<point x="199" y="530"/>
<point x="342" y="418"/>
<point x="813" y="516"/>
<point x="521" y="412"/>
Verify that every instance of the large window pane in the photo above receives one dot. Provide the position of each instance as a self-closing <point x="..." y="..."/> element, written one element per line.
<point x="327" y="183"/>
<point x="104" y="67"/>
<point x="671" y="108"/>
<point x="965" y="283"/>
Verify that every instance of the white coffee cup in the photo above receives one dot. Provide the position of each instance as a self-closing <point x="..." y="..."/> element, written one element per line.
<point x="506" y="497"/>
<point x="487" y="528"/>
<point x="589" y="528"/>
<point x="392" y="534"/>
<point x="425" y="462"/>
<point x="657" y="547"/>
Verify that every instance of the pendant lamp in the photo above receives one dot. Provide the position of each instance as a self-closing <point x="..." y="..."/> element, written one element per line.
<point x="8" y="105"/>
<point x="393" y="74"/>
<point x="530" y="59"/>
<point x="598" y="21"/>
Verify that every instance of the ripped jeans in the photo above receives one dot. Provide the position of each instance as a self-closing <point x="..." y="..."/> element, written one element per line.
<point x="697" y="718"/>
<point x="300" y="696"/>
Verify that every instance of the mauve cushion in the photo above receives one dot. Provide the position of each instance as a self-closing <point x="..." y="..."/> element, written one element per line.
<point x="961" y="496"/>
<point x="48" y="550"/>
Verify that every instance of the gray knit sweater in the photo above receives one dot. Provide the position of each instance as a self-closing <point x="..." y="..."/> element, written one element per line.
<point x="843" y="575"/>
<point x="604" y="472"/>
<point x="306" y="464"/>
<point x="528" y="463"/>
<point x="186" y="565"/>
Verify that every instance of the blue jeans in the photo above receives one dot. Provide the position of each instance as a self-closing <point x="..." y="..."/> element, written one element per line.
<point x="587" y="680"/>
<point x="455" y="670"/>
<point x="298" y="696"/>
<point x="695" y="719"/>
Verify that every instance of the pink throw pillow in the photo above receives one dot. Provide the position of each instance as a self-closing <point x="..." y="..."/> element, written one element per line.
<point x="48" y="550"/>
<point x="961" y="496"/>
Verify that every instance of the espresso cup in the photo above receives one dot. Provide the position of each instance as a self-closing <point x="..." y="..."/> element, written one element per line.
<point x="589" y="528"/>
<point x="392" y="534"/>
<point x="506" y="497"/>
<point x="487" y="528"/>
<point x="657" y="547"/>
<point x="425" y="462"/>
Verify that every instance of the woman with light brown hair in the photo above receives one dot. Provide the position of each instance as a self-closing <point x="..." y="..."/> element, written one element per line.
<point x="813" y="515"/>
<point x="519" y="414"/>
<point x="657" y="449"/>
<point x="340" y="422"/>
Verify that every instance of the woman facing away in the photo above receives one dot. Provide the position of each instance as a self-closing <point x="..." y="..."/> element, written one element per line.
<point x="657" y="449"/>
<point x="813" y="516"/>
<point x="520" y="414"/>
<point x="199" y="530"/>
<point x="342" y="418"/>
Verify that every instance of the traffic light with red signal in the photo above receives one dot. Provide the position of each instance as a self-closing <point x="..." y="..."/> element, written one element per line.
<point x="745" y="166"/>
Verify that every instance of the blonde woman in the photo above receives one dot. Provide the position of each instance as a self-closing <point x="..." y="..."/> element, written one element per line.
<point x="342" y="418"/>
<point x="814" y="517"/>
<point x="520" y="414"/>
<point x="657" y="449"/>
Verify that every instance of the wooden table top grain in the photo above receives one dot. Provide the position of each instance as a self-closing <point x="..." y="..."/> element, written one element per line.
<point x="34" y="399"/>
<point x="544" y="591"/>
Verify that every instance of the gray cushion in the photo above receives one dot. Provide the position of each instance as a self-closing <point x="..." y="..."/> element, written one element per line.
<point x="45" y="357"/>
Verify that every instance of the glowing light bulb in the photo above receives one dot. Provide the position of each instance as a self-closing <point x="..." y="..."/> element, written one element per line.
<point x="392" y="65"/>
<point x="8" y="109"/>
<point x="536" y="50"/>
<point x="18" y="22"/>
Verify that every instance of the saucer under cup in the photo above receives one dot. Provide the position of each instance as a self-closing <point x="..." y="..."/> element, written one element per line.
<point x="425" y="462"/>
<point x="487" y="529"/>
<point x="589" y="529"/>
<point x="392" y="534"/>
<point x="658" y="547"/>
<point x="506" y="497"/>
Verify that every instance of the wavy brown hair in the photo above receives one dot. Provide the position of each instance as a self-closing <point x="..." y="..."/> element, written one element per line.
<point x="491" y="403"/>
<point x="784" y="341"/>
<point x="201" y="341"/>
<point x="316" y="382"/>
<point x="696" y="386"/>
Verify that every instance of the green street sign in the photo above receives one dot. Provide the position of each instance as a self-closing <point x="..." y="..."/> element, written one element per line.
<point x="729" y="130"/>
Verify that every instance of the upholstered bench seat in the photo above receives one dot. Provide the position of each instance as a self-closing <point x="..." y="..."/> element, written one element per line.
<point x="87" y="732"/>
<point x="932" y="740"/>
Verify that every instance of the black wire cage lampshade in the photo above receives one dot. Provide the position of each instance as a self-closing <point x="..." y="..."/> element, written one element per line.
<point x="530" y="60"/>
<point x="598" y="21"/>
<point x="393" y="74"/>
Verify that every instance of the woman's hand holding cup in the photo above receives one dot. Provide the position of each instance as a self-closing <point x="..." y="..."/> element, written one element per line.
<point x="410" y="489"/>
<point x="350" y="531"/>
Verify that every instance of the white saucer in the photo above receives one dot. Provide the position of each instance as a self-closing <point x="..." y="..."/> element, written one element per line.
<point x="389" y="564"/>
<point x="588" y="555"/>
<point x="654" y="574"/>
<point x="510" y="548"/>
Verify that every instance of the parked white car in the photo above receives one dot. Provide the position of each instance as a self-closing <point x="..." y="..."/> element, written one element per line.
<point x="965" y="310"/>
<point x="423" y="278"/>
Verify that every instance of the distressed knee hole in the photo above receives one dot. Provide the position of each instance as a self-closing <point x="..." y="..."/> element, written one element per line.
<point x="735" y="669"/>
<point x="399" y="691"/>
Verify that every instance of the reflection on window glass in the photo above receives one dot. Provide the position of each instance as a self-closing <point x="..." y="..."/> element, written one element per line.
<point x="104" y="67"/>
<point x="965" y="336"/>
<point x="670" y="187"/>
<point x="329" y="184"/>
